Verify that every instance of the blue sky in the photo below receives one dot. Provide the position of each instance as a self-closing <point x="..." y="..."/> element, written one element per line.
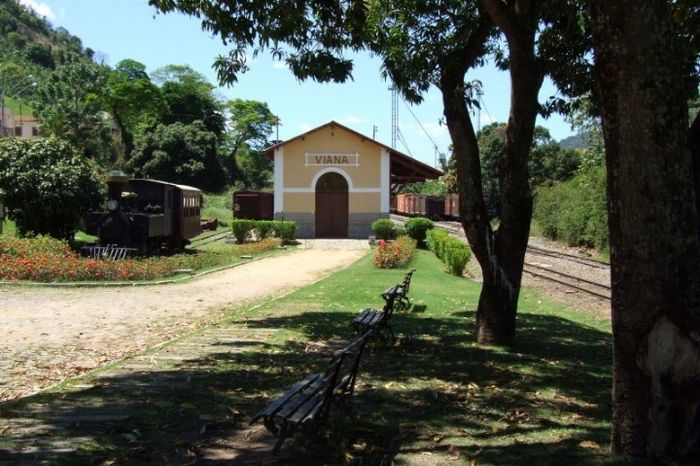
<point x="122" y="29"/>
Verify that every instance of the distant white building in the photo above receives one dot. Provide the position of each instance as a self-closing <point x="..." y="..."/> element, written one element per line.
<point x="22" y="126"/>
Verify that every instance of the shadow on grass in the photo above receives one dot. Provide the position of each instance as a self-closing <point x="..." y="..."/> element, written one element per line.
<point x="432" y="392"/>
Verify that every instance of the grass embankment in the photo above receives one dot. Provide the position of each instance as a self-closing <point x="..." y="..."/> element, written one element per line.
<point x="432" y="397"/>
<point x="219" y="206"/>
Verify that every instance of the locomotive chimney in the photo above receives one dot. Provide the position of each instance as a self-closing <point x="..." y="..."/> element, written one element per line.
<point x="117" y="183"/>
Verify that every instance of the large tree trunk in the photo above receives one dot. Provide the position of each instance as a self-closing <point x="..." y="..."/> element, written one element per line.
<point x="500" y="253"/>
<point x="653" y="223"/>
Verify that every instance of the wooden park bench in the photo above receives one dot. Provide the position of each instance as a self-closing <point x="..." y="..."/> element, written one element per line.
<point x="309" y="401"/>
<point x="378" y="319"/>
<point x="404" y="302"/>
<point x="395" y="298"/>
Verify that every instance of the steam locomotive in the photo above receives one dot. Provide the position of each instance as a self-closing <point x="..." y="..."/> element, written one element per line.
<point x="143" y="216"/>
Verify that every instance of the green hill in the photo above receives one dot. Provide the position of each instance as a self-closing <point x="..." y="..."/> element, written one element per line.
<point x="31" y="42"/>
<point x="577" y="141"/>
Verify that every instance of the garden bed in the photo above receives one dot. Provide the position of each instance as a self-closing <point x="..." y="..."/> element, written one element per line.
<point x="47" y="260"/>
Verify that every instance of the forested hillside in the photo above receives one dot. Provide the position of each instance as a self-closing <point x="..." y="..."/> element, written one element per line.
<point x="167" y="124"/>
<point x="32" y="43"/>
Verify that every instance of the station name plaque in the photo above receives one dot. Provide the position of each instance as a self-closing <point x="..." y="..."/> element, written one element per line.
<point x="327" y="159"/>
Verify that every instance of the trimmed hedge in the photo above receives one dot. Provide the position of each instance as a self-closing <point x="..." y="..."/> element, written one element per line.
<point x="449" y="250"/>
<point x="384" y="228"/>
<point x="417" y="227"/>
<point x="243" y="229"/>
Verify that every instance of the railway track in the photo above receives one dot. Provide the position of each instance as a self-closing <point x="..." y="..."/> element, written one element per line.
<point x="208" y="238"/>
<point x="577" y="283"/>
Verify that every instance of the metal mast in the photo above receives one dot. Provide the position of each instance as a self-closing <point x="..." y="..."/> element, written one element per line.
<point x="394" y="116"/>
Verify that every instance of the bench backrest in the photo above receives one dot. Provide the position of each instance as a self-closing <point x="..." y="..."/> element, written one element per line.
<point x="390" y="296"/>
<point x="342" y="372"/>
<point x="407" y="282"/>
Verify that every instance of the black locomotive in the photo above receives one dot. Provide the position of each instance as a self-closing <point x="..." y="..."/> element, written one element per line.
<point x="143" y="216"/>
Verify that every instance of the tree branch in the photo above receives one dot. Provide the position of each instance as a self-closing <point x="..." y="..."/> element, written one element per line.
<point x="498" y="11"/>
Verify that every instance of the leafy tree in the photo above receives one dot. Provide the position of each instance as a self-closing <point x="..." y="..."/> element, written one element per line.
<point x="41" y="55"/>
<point x="575" y="210"/>
<point x="189" y="97"/>
<point x="250" y="125"/>
<point x="49" y="185"/>
<point x="647" y="54"/>
<point x="69" y="102"/>
<point x="179" y="153"/>
<point x="133" y="100"/>
<point x="428" y="188"/>
<point x="424" y="45"/>
<point x="548" y="162"/>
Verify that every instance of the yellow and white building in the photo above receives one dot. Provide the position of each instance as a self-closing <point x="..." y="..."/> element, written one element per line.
<point x="334" y="182"/>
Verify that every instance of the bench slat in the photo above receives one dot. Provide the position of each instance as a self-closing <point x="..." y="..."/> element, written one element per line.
<point x="308" y="410"/>
<point x="272" y="408"/>
<point x="292" y="404"/>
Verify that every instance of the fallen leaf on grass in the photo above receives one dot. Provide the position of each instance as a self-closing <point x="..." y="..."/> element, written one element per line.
<point x="589" y="444"/>
<point x="4" y="429"/>
<point x="437" y="438"/>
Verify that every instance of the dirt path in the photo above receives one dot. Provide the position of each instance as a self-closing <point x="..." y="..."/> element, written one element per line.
<point x="49" y="334"/>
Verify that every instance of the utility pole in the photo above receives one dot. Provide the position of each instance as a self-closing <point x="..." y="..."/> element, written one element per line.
<point x="374" y="131"/>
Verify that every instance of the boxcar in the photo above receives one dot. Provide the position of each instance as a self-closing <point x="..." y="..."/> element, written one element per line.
<point x="253" y="205"/>
<point x="452" y="206"/>
<point x="435" y="207"/>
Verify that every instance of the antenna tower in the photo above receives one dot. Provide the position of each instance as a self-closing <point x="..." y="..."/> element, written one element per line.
<point x="394" y="116"/>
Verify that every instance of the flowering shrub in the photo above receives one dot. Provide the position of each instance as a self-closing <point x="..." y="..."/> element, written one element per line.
<point x="44" y="259"/>
<point x="394" y="255"/>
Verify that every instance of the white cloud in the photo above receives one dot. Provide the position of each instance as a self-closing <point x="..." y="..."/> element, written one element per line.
<point x="305" y="127"/>
<point x="42" y="9"/>
<point x="279" y="65"/>
<point x="352" y="120"/>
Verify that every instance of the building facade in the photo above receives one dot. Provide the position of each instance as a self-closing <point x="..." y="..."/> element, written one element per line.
<point x="334" y="182"/>
<point x="21" y="126"/>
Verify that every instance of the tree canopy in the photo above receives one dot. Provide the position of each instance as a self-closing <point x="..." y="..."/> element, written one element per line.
<point x="49" y="185"/>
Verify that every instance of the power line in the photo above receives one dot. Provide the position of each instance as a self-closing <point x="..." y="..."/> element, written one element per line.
<point x="403" y="141"/>
<point x="421" y="126"/>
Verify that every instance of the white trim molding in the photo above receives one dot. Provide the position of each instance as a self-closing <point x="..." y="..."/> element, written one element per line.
<point x="384" y="181"/>
<point x="339" y="171"/>
<point x="279" y="180"/>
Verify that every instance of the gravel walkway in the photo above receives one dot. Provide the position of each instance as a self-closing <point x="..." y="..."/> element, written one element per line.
<point x="48" y="334"/>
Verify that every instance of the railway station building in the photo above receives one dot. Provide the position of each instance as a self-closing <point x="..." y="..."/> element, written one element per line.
<point x="334" y="182"/>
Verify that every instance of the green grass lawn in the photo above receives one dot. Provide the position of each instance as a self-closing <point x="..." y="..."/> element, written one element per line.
<point x="431" y="397"/>
<point x="16" y="107"/>
<point x="435" y="395"/>
<point x="219" y="206"/>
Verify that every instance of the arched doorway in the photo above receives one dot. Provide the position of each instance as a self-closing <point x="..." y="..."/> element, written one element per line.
<point x="332" y="206"/>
